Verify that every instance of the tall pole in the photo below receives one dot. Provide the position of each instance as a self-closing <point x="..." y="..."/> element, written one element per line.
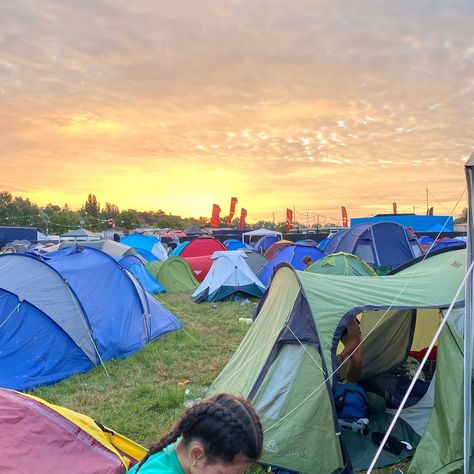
<point x="468" y="318"/>
<point x="427" y="203"/>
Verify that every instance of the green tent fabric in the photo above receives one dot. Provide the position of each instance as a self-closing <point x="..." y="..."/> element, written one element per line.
<point x="286" y="362"/>
<point x="175" y="274"/>
<point x="341" y="264"/>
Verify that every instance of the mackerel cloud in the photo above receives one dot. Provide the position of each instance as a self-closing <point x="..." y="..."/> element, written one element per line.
<point x="176" y="104"/>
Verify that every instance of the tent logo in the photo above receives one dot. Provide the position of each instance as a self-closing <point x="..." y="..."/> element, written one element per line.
<point x="272" y="446"/>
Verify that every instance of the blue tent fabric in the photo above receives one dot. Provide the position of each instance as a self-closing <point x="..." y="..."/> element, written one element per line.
<point x="135" y="265"/>
<point x="323" y="244"/>
<point x="264" y="243"/>
<point x="109" y="306"/>
<point x="385" y="244"/>
<point x="179" y="248"/>
<point x="147" y="246"/>
<point x="234" y="244"/>
<point x="292" y="254"/>
<point x="415" y="222"/>
<point x="448" y="243"/>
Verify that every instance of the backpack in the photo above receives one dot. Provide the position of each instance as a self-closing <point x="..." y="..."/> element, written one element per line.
<point x="350" y="401"/>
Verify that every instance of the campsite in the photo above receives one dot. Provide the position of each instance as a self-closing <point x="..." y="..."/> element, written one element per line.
<point x="130" y="331"/>
<point x="236" y="236"/>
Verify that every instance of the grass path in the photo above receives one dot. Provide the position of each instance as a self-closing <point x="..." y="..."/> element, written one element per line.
<point x="142" y="397"/>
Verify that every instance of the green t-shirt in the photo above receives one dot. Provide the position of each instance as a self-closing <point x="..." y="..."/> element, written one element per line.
<point x="163" y="462"/>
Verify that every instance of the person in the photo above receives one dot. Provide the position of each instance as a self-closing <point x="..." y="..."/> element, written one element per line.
<point x="351" y="338"/>
<point x="219" y="435"/>
<point x="307" y="261"/>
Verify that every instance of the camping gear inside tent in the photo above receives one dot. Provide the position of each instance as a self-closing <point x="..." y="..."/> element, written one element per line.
<point x="234" y="244"/>
<point x="383" y="244"/>
<point x="66" y="312"/>
<point x="37" y="436"/>
<point x="292" y="254"/>
<point x="136" y="266"/>
<point x="276" y="247"/>
<point x="146" y="245"/>
<point x="198" y="254"/>
<point x="229" y="275"/>
<point x="255" y="260"/>
<point x="174" y="274"/>
<point x="287" y="365"/>
<point x="265" y="242"/>
<point x="341" y="264"/>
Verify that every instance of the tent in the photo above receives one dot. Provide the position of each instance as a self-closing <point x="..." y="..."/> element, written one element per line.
<point x="136" y="266"/>
<point x="174" y="274"/>
<point x="198" y="254"/>
<point x="67" y="312"/>
<point x="37" y="436"/>
<point x="110" y="247"/>
<point x="292" y="254"/>
<point x="341" y="264"/>
<point x="229" y="275"/>
<point x="276" y="247"/>
<point x="259" y="233"/>
<point x="264" y="243"/>
<point x="287" y="361"/>
<point x="255" y="260"/>
<point x="445" y="243"/>
<point x="146" y="245"/>
<point x="383" y="244"/>
<point x="79" y="234"/>
<point x="194" y="230"/>
<point x="234" y="244"/>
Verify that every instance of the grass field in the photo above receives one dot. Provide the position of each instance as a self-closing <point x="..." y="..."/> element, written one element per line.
<point x="143" y="395"/>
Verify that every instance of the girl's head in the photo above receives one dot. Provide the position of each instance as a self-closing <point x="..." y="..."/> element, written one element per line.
<point x="220" y="435"/>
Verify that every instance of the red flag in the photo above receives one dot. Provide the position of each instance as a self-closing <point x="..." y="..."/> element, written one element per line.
<point x="345" y="220"/>
<point x="394" y="204"/>
<point x="233" y="202"/>
<point x="243" y="215"/>
<point x="289" y="219"/>
<point x="216" y="210"/>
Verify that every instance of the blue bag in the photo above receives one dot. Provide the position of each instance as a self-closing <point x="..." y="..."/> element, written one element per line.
<point x="350" y="401"/>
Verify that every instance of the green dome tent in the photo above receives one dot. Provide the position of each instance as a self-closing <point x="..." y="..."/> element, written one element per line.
<point x="341" y="264"/>
<point x="175" y="274"/>
<point x="286" y="364"/>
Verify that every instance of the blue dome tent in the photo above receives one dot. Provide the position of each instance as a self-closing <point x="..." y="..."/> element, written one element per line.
<point x="66" y="312"/>
<point x="383" y="244"/>
<point x="147" y="246"/>
<point x="292" y="254"/>
<point x="135" y="265"/>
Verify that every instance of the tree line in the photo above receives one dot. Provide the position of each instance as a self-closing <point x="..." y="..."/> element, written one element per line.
<point x="55" y="219"/>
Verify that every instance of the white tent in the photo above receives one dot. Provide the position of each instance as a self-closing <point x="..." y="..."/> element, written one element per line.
<point x="228" y="275"/>
<point x="260" y="233"/>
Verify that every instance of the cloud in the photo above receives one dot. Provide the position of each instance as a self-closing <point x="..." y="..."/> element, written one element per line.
<point x="181" y="104"/>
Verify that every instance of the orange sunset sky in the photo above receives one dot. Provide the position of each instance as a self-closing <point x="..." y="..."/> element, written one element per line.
<point x="174" y="105"/>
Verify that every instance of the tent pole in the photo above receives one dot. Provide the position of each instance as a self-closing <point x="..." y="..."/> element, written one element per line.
<point x="468" y="319"/>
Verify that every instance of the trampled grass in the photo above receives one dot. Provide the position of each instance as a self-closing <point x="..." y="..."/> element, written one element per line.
<point x="143" y="395"/>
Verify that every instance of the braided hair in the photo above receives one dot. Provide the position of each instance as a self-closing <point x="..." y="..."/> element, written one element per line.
<point x="225" y="424"/>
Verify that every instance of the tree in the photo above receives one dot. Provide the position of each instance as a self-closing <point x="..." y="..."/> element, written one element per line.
<point x="129" y="219"/>
<point x="462" y="219"/>
<point x="91" y="206"/>
<point x="110" y="211"/>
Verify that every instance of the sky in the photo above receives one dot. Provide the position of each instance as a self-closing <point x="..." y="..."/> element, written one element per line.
<point x="176" y="105"/>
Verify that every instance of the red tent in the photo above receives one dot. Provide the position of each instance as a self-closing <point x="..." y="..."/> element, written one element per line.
<point x="198" y="253"/>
